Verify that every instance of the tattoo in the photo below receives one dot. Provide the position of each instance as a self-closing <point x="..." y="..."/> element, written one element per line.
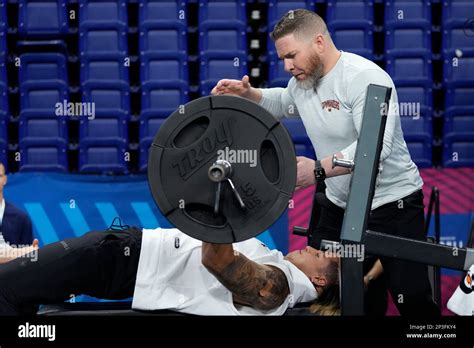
<point x="260" y="286"/>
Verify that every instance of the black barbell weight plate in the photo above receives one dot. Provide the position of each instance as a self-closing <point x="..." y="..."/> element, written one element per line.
<point x="263" y="169"/>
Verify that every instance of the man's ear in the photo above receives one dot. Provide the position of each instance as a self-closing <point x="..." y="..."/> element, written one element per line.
<point x="318" y="41"/>
<point x="319" y="280"/>
<point x="266" y="290"/>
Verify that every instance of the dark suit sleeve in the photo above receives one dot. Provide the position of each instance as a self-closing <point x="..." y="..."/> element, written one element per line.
<point x="27" y="230"/>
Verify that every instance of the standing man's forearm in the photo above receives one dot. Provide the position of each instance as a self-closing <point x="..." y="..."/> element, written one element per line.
<point x="336" y="171"/>
<point x="254" y="94"/>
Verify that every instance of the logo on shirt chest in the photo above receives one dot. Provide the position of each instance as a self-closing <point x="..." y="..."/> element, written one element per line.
<point x="330" y="104"/>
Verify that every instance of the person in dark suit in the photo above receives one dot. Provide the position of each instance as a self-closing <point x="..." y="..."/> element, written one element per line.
<point x="15" y="225"/>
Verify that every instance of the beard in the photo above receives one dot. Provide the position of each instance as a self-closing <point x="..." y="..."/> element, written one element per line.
<point x="313" y="73"/>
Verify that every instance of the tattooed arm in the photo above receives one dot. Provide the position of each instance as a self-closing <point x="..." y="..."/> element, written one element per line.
<point x="260" y="286"/>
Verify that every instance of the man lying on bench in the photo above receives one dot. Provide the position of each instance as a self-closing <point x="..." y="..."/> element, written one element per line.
<point x="167" y="269"/>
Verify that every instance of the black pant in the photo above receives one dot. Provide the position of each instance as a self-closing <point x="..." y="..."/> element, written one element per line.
<point x="102" y="264"/>
<point x="407" y="282"/>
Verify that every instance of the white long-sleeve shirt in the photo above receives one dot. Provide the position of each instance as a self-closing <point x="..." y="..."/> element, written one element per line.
<point x="332" y="117"/>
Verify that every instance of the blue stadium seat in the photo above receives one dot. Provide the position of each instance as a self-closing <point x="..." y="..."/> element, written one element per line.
<point x="3" y="90"/>
<point x="421" y="153"/>
<point x="3" y="29"/>
<point x="413" y="77"/>
<point x="162" y="37"/>
<point x="165" y="13"/>
<point x="104" y="67"/>
<point x="351" y="26"/>
<point x="410" y="70"/>
<point x="278" y="8"/>
<point x="47" y="45"/>
<point x="109" y="97"/>
<point x="106" y="129"/>
<point x="350" y="14"/>
<point x="103" y="140"/>
<point x="407" y="14"/>
<point x="416" y="94"/>
<point x="459" y="100"/>
<point x="455" y="22"/>
<point x="102" y="158"/>
<point x="277" y="76"/>
<point x="103" y="11"/>
<point x="109" y="38"/>
<point x="43" y="66"/>
<point x="459" y="125"/>
<point x="232" y="12"/>
<point x="43" y="141"/>
<point x="459" y="84"/>
<point x="357" y="41"/>
<point x="417" y="128"/>
<point x="3" y="73"/>
<point x="415" y="110"/>
<point x="42" y="18"/>
<point x="39" y="127"/>
<point x="148" y="129"/>
<point x="160" y="99"/>
<point x="144" y="151"/>
<point x="459" y="153"/>
<point x="455" y="42"/>
<point x="303" y="146"/>
<point x="216" y="39"/>
<point x="3" y="100"/>
<point x="222" y="26"/>
<point x="42" y="94"/>
<point x="3" y="140"/>
<point x="408" y="41"/>
<point x="164" y="66"/>
<point x="3" y="16"/>
<point x="214" y="69"/>
<point x="456" y="13"/>
<point x="43" y="158"/>
<point x="3" y="44"/>
<point x="459" y="73"/>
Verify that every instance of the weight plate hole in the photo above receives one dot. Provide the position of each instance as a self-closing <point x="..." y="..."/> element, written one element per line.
<point x="269" y="161"/>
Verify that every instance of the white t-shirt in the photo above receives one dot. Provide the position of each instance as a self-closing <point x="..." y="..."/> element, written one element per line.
<point x="171" y="276"/>
<point x="332" y="117"/>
